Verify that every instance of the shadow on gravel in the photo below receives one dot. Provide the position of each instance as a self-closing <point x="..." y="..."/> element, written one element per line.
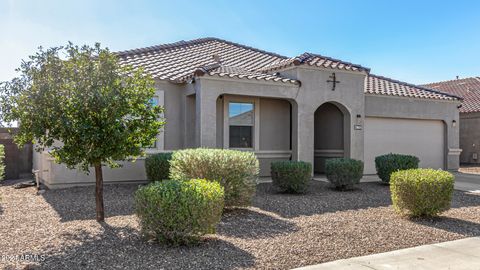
<point x="465" y="199"/>
<point x="321" y="198"/>
<point x="454" y="225"/>
<point x="78" y="203"/>
<point x="248" y="223"/>
<point x="123" y="248"/>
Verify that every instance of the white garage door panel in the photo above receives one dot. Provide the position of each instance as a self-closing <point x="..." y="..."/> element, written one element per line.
<point x="422" y="138"/>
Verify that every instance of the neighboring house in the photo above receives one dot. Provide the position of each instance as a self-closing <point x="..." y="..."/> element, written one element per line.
<point x="310" y="107"/>
<point x="469" y="90"/>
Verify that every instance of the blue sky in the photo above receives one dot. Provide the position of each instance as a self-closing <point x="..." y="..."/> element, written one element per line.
<point x="413" y="41"/>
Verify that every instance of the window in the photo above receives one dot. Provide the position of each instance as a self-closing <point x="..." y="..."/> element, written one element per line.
<point x="154" y="101"/>
<point x="241" y="121"/>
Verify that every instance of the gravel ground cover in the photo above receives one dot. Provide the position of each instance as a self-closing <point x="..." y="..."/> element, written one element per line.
<point x="279" y="232"/>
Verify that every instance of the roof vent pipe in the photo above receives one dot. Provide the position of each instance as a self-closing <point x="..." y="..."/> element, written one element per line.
<point x="217" y="59"/>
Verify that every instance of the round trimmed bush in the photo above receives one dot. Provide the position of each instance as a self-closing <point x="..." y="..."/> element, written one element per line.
<point x="236" y="171"/>
<point x="179" y="212"/>
<point x="344" y="173"/>
<point x="387" y="164"/>
<point x="157" y="166"/>
<point x="421" y="192"/>
<point x="291" y="176"/>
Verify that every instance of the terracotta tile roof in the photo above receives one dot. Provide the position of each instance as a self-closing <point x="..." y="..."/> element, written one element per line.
<point x="317" y="60"/>
<point x="375" y="84"/>
<point x="468" y="89"/>
<point x="225" y="71"/>
<point x="178" y="61"/>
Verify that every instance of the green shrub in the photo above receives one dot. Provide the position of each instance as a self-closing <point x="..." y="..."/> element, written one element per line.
<point x="157" y="166"/>
<point x="2" y="162"/>
<point x="344" y="173"/>
<point x="387" y="164"/>
<point x="291" y="176"/>
<point x="179" y="212"/>
<point x="421" y="192"/>
<point x="236" y="171"/>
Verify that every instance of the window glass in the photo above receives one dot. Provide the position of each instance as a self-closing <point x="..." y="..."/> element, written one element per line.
<point x="154" y="101"/>
<point x="154" y="145"/>
<point x="241" y="120"/>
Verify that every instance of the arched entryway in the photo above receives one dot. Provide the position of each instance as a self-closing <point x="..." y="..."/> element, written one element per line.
<point x="331" y="134"/>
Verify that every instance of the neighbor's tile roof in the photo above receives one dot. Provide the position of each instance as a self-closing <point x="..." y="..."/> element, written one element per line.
<point x="468" y="89"/>
<point x="314" y="60"/>
<point x="385" y="86"/>
<point x="178" y="62"/>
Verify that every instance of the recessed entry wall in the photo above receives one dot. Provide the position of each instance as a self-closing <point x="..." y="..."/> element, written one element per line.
<point x="422" y="138"/>
<point x="329" y="135"/>
<point x="274" y="124"/>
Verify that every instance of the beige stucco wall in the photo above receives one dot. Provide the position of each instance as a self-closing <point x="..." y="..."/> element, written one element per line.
<point x="470" y="137"/>
<point x="174" y="112"/>
<point x="305" y="99"/>
<point x="55" y="175"/>
<point x="189" y="132"/>
<point x="315" y="91"/>
<point x="274" y="124"/>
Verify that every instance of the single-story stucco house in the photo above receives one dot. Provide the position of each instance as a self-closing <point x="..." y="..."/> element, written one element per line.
<point x="469" y="90"/>
<point x="221" y="94"/>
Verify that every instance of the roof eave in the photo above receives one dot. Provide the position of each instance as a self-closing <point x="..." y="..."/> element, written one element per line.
<point x="284" y="81"/>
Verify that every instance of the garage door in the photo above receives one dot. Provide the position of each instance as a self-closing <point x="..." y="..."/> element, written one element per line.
<point x="422" y="138"/>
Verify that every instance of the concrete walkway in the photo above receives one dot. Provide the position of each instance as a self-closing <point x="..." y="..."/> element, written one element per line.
<point x="467" y="182"/>
<point x="454" y="255"/>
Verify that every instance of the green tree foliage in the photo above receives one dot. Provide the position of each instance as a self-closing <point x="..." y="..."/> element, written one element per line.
<point x="82" y="105"/>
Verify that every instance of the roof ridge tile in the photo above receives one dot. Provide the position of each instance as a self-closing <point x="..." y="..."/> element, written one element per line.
<point x="339" y="61"/>
<point x="192" y="42"/>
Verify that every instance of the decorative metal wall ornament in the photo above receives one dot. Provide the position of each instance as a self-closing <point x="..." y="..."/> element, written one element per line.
<point x="333" y="80"/>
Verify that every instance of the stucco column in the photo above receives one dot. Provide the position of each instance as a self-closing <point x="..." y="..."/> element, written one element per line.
<point x="302" y="134"/>
<point x="453" y="150"/>
<point x="206" y="119"/>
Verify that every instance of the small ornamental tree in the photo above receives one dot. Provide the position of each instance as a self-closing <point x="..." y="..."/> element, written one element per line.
<point x="84" y="107"/>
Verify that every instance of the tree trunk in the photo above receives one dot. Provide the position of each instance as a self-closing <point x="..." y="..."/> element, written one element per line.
<point x="99" y="192"/>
